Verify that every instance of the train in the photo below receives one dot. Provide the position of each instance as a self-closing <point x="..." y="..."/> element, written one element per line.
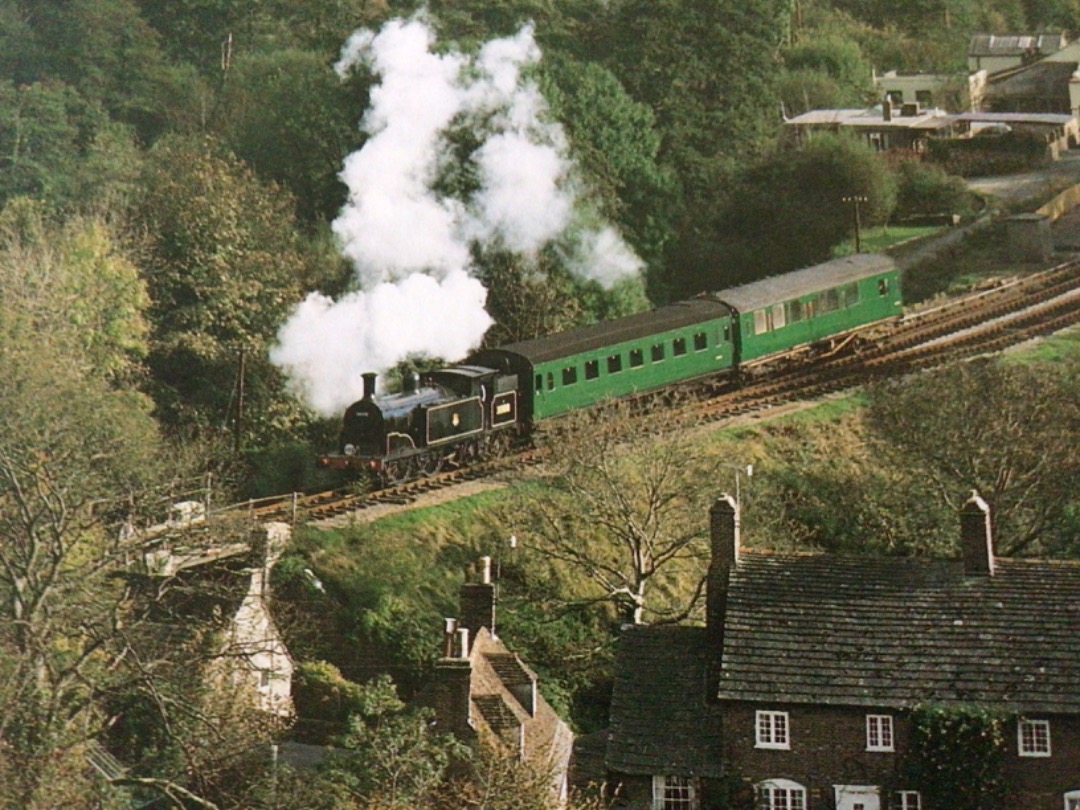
<point x="481" y="407"/>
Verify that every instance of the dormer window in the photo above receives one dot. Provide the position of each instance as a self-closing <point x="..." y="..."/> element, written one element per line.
<point x="772" y="730"/>
<point x="1033" y="738"/>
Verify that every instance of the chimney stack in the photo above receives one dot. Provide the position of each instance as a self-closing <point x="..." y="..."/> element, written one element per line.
<point x="452" y="693"/>
<point x="478" y="601"/>
<point x="724" y="537"/>
<point x="886" y="109"/>
<point x="976" y="537"/>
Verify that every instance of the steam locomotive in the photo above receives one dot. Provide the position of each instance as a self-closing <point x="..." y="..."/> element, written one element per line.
<point x="478" y="409"/>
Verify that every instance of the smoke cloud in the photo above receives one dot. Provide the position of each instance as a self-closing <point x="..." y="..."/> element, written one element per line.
<point x="411" y="245"/>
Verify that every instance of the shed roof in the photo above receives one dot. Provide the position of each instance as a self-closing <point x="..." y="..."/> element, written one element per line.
<point x="776" y="289"/>
<point x="828" y="629"/>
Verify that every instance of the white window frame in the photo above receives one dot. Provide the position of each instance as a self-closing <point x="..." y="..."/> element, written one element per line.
<point x="661" y="800"/>
<point x="781" y="794"/>
<point x="772" y="729"/>
<point x="1072" y="800"/>
<point x="908" y="800"/>
<point x="879" y="733"/>
<point x="1022" y="748"/>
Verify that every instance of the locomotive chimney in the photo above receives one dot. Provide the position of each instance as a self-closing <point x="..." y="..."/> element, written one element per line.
<point x="369" y="384"/>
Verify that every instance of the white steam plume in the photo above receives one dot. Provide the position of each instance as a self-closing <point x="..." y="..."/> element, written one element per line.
<point x="411" y="246"/>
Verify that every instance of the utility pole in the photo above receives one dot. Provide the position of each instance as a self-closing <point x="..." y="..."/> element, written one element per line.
<point x="856" y="200"/>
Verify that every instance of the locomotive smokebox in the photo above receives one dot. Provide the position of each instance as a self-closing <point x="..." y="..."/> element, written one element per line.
<point x="369" y="384"/>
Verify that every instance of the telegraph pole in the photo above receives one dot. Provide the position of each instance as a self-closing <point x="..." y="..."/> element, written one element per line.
<point x="856" y="200"/>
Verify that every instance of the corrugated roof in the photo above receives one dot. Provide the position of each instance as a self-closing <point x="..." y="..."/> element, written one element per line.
<point x="776" y="289"/>
<point x="1015" y="44"/>
<point x="609" y="333"/>
<point x="826" y="629"/>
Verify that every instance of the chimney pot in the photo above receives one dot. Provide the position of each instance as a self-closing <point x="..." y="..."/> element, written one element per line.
<point x="485" y="570"/>
<point x="976" y="537"/>
<point x="463" y="642"/>
<point x="449" y="633"/>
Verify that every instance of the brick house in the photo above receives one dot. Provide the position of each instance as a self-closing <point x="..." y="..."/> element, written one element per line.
<point x="482" y="692"/>
<point x="798" y="692"/>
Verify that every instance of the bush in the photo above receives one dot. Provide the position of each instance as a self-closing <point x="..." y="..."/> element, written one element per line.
<point x="927" y="189"/>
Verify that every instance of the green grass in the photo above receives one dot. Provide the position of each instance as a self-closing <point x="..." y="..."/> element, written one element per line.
<point x="1055" y="349"/>
<point x="878" y="239"/>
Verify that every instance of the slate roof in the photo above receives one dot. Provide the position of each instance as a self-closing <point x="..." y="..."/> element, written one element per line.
<point x="659" y="719"/>
<point x="860" y="631"/>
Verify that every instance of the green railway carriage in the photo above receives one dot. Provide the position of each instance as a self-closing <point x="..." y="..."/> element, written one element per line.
<point x="826" y="301"/>
<point x="458" y="414"/>
<point x="584" y="366"/>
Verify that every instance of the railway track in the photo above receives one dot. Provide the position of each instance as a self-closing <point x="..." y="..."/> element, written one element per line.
<point x="986" y="321"/>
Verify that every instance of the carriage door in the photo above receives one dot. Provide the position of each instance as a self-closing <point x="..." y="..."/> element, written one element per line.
<point x="857" y="797"/>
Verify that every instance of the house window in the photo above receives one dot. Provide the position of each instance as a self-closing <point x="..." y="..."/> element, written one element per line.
<point x="908" y="800"/>
<point x="1033" y="738"/>
<point x="657" y="352"/>
<point x="592" y="369"/>
<point x="772" y="730"/>
<point x="614" y="364"/>
<point x="879" y="736"/>
<point x="637" y="358"/>
<point x="1072" y="800"/>
<point x="674" y="793"/>
<point x="678" y="346"/>
<point x="781" y="794"/>
<point x="569" y="375"/>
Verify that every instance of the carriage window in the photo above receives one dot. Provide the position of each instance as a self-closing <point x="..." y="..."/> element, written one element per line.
<point x="539" y="383"/>
<point x="883" y="286"/>
<point x="569" y="375"/>
<point x="592" y="369"/>
<point x="614" y="364"/>
<point x="761" y="322"/>
<point x="830" y="301"/>
<point x="794" y="311"/>
<point x="637" y="358"/>
<point x="727" y="333"/>
<point x="551" y="381"/>
<point x="657" y="352"/>
<point x="678" y="346"/>
<point x="778" y="316"/>
<point x="851" y="295"/>
<point x="700" y="342"/>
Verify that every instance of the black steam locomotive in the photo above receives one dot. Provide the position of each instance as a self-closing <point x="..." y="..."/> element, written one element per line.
<point x="452" y="415"/>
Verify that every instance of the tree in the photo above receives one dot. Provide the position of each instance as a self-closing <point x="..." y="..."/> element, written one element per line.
<point x="72" y="285"/>
<point x="292" y="120"/>
<point x="790" y="208"/>
<point x="224" y="265"/>
<point x="981" y="425"/>
<point x="392" y="758"/>
<point x="623" y="509"/>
